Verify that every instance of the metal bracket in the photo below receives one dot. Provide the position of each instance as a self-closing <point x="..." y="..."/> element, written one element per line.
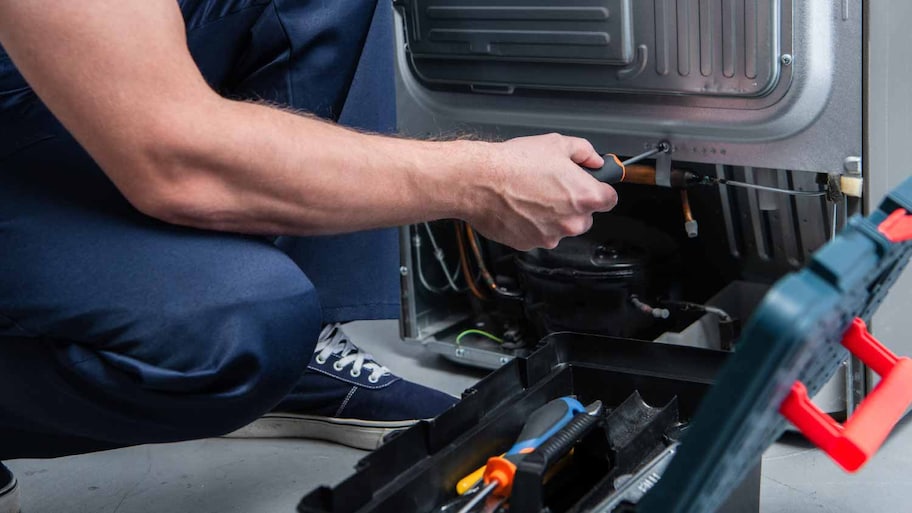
<point x="663" y="169"/>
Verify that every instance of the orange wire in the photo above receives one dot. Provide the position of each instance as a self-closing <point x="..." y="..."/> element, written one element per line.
<point x="464" y="263"/>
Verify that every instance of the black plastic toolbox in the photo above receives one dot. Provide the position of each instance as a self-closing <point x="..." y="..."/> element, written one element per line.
<point x="805" y="327"/>
<point x="418" y="470"/>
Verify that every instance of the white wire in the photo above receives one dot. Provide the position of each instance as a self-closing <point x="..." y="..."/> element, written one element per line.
<point x="439" y="255"/>
<point x="423" y="280"/>
<point x="733" y="183"/>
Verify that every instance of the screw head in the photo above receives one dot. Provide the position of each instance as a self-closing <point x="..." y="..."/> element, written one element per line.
<point x="786" y="59"/>
<point x="504" y="360"/>
<point x="403" y="270"/>
<point x="460" y="352"/>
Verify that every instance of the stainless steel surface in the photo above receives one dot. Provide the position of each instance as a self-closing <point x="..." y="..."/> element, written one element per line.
<point x="595" y="32"/>
<point x="698" y="49"/>
<point x="811" y="122"/>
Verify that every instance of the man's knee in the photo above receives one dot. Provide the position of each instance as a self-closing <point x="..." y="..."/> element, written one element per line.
<point x="232" y="350"/>
<point x="197" y="354"/>
<point x="260" y="333"/>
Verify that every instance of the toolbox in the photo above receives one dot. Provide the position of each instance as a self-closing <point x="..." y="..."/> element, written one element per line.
<point x="685" y="428"/>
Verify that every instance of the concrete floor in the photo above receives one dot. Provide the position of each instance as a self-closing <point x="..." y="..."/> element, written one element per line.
<point x="246" y="476"/>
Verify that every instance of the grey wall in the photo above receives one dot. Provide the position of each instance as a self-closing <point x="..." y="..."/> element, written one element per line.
<point x="889" y="130"/>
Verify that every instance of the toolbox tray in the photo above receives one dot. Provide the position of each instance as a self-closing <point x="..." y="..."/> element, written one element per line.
<point x="418" y="470"/>
<point x="795" y="340"/>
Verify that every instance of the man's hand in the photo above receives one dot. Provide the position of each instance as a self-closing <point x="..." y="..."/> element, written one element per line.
<point x="533" y="192"/>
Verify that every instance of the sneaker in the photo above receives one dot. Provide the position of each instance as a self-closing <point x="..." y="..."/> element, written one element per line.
<point x="346" y="397"/>
<point x="9" y="491"/>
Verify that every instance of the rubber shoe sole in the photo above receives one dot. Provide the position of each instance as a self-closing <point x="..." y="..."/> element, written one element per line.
<point x="360" y="434"/>
<point x="9" y="497"/>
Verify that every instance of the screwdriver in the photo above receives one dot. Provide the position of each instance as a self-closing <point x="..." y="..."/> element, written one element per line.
<point x="470" y="481"/>
<point x="544" y="423"/>
<point x="615" y="171"/>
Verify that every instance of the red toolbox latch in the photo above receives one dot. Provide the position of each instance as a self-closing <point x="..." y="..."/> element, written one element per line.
<point x="897" y="227"/>
<point x="852" y="445"/>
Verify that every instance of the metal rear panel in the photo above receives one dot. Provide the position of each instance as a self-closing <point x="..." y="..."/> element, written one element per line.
<point x="702" y="48"/>
<point x="807" y="117"/>
<point x="593" y="32"/>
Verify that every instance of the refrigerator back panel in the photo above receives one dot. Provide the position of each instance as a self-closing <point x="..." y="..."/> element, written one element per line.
<point x="771" y="84"/>
<point x="700" y="48"/>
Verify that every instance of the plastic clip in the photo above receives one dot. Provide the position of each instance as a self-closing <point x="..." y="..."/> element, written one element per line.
<point x="897" y="227"/>
<point x="852" y="445"/>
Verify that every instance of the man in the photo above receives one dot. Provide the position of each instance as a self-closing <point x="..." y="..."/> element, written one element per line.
<point x="184" y="220"/>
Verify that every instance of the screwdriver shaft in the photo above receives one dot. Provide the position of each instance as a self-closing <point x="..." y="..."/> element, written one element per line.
<point x="662" y="147"/>
<point x="641" y="156"/>
<point x="480" y="496"/>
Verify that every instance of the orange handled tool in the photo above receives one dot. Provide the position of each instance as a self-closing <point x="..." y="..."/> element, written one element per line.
<point x="470" y="481"/>
<point x="546" y="424"/>
<point x="542" y="424"/>
<point x="616" y="171"/>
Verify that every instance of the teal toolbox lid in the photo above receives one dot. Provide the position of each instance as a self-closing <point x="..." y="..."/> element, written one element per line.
<point x="796" y="335"/>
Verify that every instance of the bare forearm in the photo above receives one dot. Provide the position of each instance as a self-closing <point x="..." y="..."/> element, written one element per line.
<point x="256" y="169"/>
<point x="119" y="76"/>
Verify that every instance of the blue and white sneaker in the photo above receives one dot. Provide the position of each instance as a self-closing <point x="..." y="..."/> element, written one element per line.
<point x="9" y="491"/>
<point x="346" y="397"/>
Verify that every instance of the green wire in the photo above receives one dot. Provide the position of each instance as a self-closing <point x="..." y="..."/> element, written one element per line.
<point x="484" y="334"/>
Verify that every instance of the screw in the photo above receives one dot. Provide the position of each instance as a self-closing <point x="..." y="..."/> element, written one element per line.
<point x="460" y="352"/>
<point x="786" y="59"/>
<point x="852" y="164"/>
<point x="504" y="360"/>
<point x="403" y="270"/>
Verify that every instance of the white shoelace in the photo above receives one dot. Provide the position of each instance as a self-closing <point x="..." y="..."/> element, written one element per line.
<point x="334" y="341"/>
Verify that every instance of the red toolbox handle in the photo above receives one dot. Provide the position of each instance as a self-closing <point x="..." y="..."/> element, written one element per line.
<point x="853" y="444"/>
<point x="897" y="227"/>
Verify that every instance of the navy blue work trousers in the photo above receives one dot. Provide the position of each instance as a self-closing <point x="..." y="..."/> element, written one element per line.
<point x="117" y="329"/>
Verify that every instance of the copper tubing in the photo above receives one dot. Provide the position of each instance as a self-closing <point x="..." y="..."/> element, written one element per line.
<point x="640" y="173"/>
<point x="643" y="174"/>
<point x="479" y="259"/>
<point x="685" y="204"/>
<point x="464" y="263"/>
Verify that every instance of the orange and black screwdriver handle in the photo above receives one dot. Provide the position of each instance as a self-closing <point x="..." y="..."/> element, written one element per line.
<point x="542" y="425"/>
<point x="616" y="170"/>
<point x="613" y="172"/>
